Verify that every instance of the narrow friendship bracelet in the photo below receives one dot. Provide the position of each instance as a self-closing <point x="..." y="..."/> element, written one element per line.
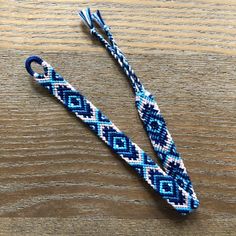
<point x="162" y="182"/>
<point x="147" y="107"/>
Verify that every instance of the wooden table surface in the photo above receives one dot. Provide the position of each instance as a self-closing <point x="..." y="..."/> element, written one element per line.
<point x="56" y="176"/>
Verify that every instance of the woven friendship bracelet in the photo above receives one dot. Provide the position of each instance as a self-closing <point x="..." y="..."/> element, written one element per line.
<point x="184" y="201"/>
<point x="147" y="107"/>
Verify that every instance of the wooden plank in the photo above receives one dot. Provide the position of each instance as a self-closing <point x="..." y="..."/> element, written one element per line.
<point x="51" y="165"/>
<point x="75" y="226"/>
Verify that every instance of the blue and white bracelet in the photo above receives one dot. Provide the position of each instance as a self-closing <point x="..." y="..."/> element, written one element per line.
<point x="172" y="182"/>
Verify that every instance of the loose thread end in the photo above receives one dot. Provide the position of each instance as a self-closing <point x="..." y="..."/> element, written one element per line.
<point x="86" y="18"/>
<point x="100" y="21"/>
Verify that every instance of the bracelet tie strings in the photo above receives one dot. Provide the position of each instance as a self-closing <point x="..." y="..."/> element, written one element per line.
<point x="122" y="145"/>
<point x="148" y="110"/>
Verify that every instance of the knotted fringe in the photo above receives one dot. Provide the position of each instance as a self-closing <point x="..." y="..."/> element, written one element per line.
<point x="87" y="18"/>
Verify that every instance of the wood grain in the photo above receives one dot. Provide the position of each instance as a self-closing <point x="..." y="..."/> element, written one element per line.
<point x="51" y="165"/>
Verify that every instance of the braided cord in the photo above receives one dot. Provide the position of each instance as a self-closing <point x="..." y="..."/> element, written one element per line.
<point x="130" y="152"/>
<point x="124" y="62"/>
<point x="148" y="109"/>
<point x="87" y="18"/>
<point x="137" y="86"/>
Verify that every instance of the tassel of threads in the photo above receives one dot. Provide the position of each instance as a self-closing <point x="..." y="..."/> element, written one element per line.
<point x="87" y="18"/>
